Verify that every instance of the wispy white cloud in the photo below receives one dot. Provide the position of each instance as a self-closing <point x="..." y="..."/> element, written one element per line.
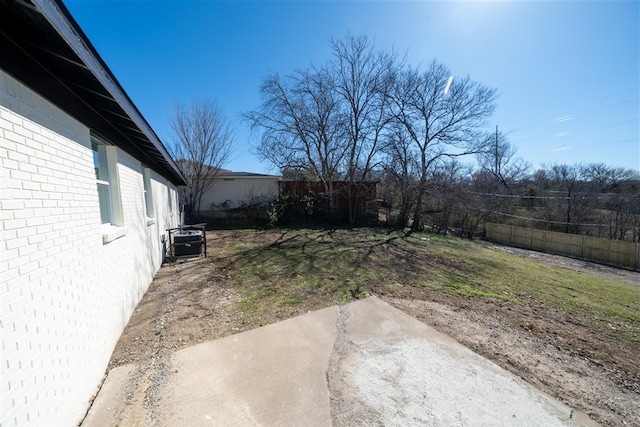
<point x="561" y="134"/>
<point x="563" y="118"/>
<point x="557" y="150"/>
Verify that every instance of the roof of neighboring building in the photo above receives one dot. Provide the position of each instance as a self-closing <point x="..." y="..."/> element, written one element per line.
<point x="224" y="173"/>
<point x="43" y="47"/>
<point x="214" y="173"/>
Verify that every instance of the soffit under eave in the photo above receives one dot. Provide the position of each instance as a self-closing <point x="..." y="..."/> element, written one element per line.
<point x="34" y="52"/>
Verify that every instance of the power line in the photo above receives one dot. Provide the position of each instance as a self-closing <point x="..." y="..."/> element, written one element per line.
<point x="516" y="196"/>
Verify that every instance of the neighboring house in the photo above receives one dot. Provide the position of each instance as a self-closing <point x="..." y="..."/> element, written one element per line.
<point x="232" y="190"/>
<point x="87" y="191"/>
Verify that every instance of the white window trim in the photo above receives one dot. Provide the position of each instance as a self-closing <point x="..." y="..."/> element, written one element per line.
<point x="149" y="206"/>
<point x="114" y="178"/>
<point x="112" y="230"/>
<point x="111" y="233"/>
<point x="170" y="199"/>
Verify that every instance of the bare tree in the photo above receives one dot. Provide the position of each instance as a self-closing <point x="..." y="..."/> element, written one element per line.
<point x="441" y="117"/>
<point x="619" y="199"/>
<point x="401" y="169"/>
<point x="593" y="199"/>
<point x="496" y="184"/>
<point x="574" y="193"/>
<point x="328" y="120"/>
<point x="201" y="147"/>
<point x="361" y="78"/>
<point x="498" y="158"/>
<point x="339" y="121"/>
<point x="300" y="124"/>
<point x="449" y="202"/>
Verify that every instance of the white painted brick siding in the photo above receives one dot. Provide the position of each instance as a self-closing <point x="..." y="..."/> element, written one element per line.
<point x="65" y="297"/>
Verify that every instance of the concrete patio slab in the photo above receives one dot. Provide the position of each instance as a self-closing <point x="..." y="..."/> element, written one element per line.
<point x="361" y="364"/>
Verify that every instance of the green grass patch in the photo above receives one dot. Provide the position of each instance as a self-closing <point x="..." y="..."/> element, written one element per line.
<point x="314" y="268"/>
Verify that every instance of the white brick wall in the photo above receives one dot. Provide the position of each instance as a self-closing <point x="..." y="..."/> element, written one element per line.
<point x="65" y="297"/>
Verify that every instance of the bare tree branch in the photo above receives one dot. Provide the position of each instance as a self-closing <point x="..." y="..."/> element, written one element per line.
<point x="441" y="116"/>
<point x="202" y="146"/>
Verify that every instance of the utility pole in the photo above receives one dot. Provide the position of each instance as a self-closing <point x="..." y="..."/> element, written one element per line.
<point x="496" y="153"/>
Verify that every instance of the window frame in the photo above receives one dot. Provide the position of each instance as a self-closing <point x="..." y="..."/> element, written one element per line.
<point x="101" y="168"/>
<point x="149" y="206"/>
<point x="170" y="198"/>
<point x="105" y="163"/>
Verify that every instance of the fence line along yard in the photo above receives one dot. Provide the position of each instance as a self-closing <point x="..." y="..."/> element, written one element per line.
<point x="612" y="252"/>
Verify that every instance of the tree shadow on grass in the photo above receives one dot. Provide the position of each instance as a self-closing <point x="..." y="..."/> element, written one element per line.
<point x="338" y="258"/>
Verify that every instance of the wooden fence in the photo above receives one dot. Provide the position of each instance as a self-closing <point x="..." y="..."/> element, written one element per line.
<point x="612" y="252"/>
<point x="302" y="194"/>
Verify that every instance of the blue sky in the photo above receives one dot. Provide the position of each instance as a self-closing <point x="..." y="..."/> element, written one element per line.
<point x="567" y="73"/>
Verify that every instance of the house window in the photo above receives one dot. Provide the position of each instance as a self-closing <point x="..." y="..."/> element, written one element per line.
<point x="148" y="194"/>
<point x="101" y="166"/>
<point x="104" y="163"/>
<point x="170" y="197"/>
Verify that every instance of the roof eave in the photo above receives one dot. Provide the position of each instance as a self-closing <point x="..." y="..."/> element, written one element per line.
<point x="49" y="52"/>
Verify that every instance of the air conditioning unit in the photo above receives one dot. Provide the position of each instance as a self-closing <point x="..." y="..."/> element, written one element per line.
<point x="187" y="243"/>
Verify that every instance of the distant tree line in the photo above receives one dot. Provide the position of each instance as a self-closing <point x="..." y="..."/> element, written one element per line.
<point x="592" y="199"/>
<point x="366" y="115"/>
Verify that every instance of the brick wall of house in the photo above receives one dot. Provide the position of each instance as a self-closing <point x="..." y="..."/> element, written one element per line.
<point x="65" y="296"/>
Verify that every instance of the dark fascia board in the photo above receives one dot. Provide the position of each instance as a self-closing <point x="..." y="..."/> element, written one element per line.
<point x="61" y="20"/>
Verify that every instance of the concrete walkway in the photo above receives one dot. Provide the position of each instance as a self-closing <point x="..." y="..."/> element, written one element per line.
<point x="363" y="364"/>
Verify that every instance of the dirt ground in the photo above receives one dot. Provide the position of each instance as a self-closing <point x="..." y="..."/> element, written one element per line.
<point x="192" y="301"/>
